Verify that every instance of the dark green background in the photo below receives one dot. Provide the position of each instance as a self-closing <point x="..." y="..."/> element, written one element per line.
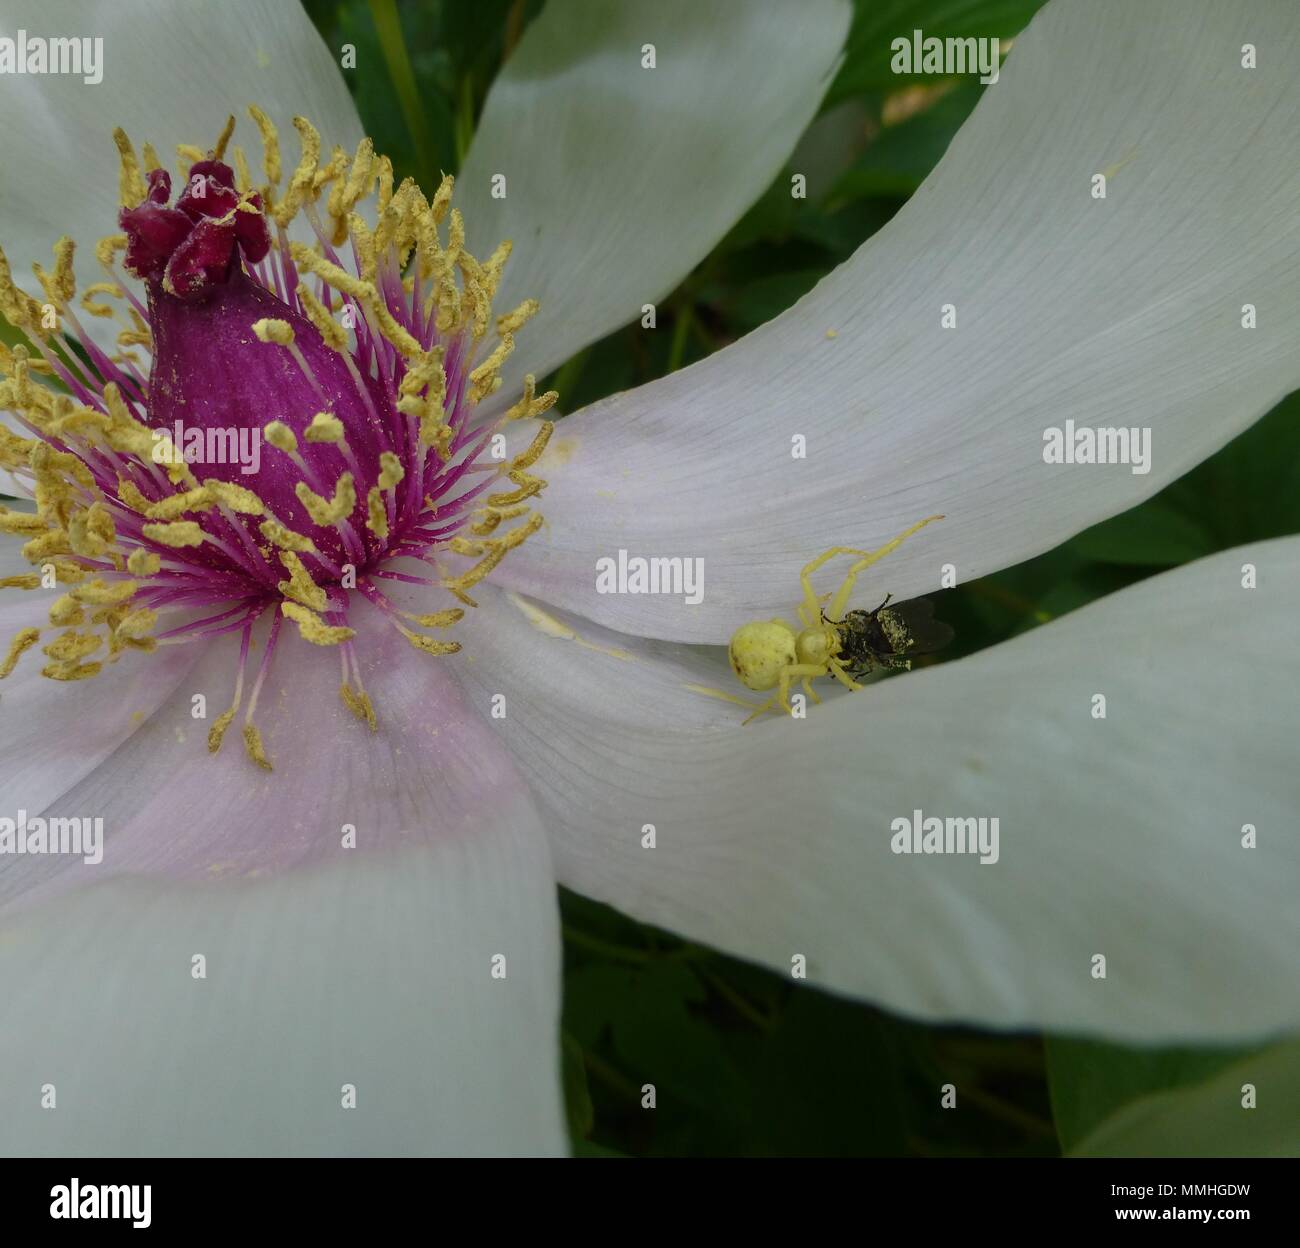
<point x="745" y="1061"/>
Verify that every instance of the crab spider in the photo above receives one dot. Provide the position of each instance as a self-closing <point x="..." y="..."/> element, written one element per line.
<point x="773" y="654"/>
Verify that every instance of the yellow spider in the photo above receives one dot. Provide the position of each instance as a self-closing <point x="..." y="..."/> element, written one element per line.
<point x="772" y="654"/>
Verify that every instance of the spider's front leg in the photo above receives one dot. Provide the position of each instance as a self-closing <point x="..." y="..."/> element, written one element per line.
<point x="797" y="671"/>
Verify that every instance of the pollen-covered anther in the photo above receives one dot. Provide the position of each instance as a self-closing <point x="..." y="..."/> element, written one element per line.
<point x="254" y="748"/>
<point x="358" y="702"/>
<point x="532" y="404"/>
<point x="236" y="497"/>
<point x="269" y="329"/>
<point x="328" y="512"/>
<point x="174" y="506"/>
<point x="313" y="628"/>
<point x="428" y="645"/>
<point x="286" y="539"/>
<point x="376" y="513"/>
<point x="492" y="550"/>
<point x="300" y="585"/>
<point x="181" y="534"/>
<point x="22" y="641"/>
<point x="324" y="427"/>
<point x="98" y="593"/>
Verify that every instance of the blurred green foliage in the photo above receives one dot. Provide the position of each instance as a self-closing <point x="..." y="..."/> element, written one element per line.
<point x="744" y="1061"/>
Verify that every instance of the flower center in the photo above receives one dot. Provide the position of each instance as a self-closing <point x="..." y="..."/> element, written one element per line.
<point x="304" y="421"/>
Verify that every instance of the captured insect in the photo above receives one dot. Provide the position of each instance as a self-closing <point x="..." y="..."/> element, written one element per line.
<point x="889" y="637"/>
<point x="773" y="654"/>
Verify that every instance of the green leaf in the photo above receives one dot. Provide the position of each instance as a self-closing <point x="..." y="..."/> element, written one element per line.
<point x="876" y="23"/>
<point x="577" y="1096"/>
<point x="657" y="1037"/>
<point x="1208" y="1118"/>
<point x="903" y="155"/>
<point x="757" y="302"/>
<point x="1154" y="534"/>
<point x="827" y="1083"/>
<point x="1091" y="1081"/>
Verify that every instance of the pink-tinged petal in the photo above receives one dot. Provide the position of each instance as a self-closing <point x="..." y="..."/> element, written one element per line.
<point x="431" y="773"/>
<point x="52" y="734"/>
<point x="619" y="178"/>
<point x="1120" y="837"/>
<point x="1118" y="312"/>
<point x="241" y="1018"/>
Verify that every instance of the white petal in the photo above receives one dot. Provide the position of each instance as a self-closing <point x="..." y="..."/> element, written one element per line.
<point x="171" y="808"/>
<point x="375" y="972"/>
<point x="1117" y="312"/>
<point x="1118" y="837"/>
<point x="172" y="73"/>
<point x="619" y="179"/>
<point x="53" y="734"/>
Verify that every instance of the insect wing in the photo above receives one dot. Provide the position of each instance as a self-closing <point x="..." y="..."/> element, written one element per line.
<point x="925" y="633"/>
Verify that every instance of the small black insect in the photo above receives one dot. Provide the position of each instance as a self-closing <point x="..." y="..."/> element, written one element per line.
<point x="889" y="637"/>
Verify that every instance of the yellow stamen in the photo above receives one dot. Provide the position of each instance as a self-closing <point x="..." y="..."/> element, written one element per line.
<point x="530" y="404"/>
<point x="176" y="505"/>
<point x="23" y="640"/>
<point x="313" y="628"/>
<point x="427" y="644"/>
<point x="329" y="513"/>
<point x="336" y="337"/>
<point x="218" y="729"/>
<point x="71" y="671"/>
<point x="360" y="705"/>
<point x="270" y="144"/>
<point x="72" y="646"/>
<point x="376" y="513"/>
<point x="59" y="286"/>
<point x="286" y="539"/>
<point x="182" y="533"/>
<point x="280" y="436"/>
<point x="66" y="611"/>
<point x="95" y="308"/>
<point x="391" y="472"/>
<point x="237" y="498"/>
<point x="254" y="749"/>
<point x="131" y="185"/>
<point x="143" y="562"/>
<point x="268" y="329"/>
<point x="324" y="427"/>
<point x="436" y="619"/>
<point x="528" y="458"/>
<point x="300" y="585"/>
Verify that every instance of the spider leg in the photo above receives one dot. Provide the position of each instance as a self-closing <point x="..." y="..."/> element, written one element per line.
<point x="709" y="692"/>
<point x="840" y="601"/>
<point x="840" y="673"/>
<point x="811" y="610"/>
<point x="793" y="672"/>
